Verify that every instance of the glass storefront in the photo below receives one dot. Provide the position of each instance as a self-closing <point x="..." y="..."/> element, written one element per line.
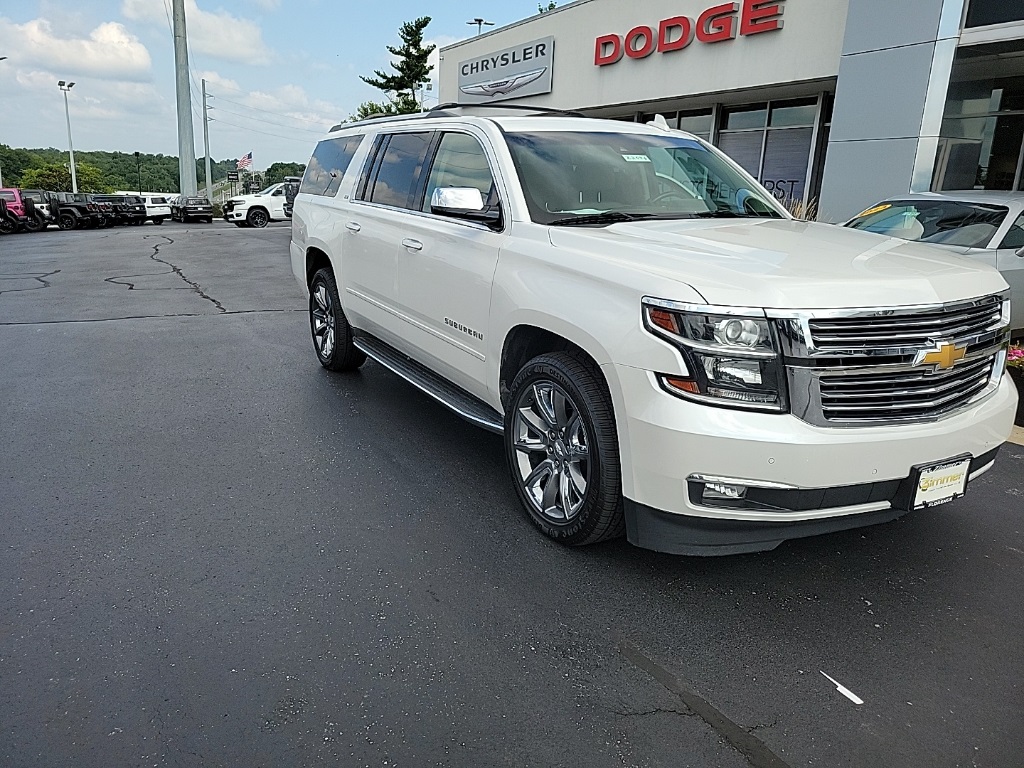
<point x="982" y="137"/>
<point x="982" y="13"/>
<point x="772" y="141"/>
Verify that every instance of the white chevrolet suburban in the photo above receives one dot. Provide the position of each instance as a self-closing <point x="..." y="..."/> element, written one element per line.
<point x="664" y="349"/>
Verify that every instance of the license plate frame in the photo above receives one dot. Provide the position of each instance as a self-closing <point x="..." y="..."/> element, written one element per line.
<point x="940" y="482"/>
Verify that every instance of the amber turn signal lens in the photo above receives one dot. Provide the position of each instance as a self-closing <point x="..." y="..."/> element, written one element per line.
<point x="664" y="320"/>
<point x="684" y="385"/>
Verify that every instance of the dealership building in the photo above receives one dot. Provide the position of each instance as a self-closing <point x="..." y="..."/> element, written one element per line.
<point x="830" y="103"/>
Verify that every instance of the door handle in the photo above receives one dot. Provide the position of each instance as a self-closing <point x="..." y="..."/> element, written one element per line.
<point x="352" y="227"/>
<point x="412" y="245"/>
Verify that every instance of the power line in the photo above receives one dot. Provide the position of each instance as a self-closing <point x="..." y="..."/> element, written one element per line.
<point x="265" y="133"/>
<point x="259" y="120"/>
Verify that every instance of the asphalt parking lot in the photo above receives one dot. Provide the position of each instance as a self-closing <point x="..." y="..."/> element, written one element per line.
<point x="215" y="553"/>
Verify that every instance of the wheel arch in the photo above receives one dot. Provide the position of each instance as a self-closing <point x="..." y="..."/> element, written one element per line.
<point x="317" y="259"/>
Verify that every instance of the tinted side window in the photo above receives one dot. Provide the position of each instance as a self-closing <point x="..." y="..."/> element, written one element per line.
<point x="460" y="162"/>
<point x="399" y="169"/>
<point x="327" y="167"/>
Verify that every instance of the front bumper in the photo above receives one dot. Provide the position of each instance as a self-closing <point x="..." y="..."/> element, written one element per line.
<point x="823" y="478"/>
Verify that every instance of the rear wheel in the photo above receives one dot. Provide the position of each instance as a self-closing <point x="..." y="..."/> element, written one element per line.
<point x="158" y="221"/>
<point x="563" y="451"/>
<point x="35" y="224"/>
<point x="66" y="221"/>
<point x="332" y="335"/>
<point x="257" y="218"/>
<point x="8" y="226"/>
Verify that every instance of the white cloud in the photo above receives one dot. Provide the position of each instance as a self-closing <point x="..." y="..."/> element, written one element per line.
<point x="110" y="51"/>
<point x="214" y="33"/>
<point x="216" y="80"/>
<point x="267" y="5"/>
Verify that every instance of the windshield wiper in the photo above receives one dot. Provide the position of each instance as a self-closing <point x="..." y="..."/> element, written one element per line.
<point x="607" y="217"/>
<point x="725" y="213"/>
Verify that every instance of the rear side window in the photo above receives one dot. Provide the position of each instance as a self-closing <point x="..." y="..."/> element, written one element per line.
<point x="8" y="196"/>
<point x="327" y="167"/>
<point x="1015" y="237"/>
<point x="400" y="160"/>
<point x="158" y="201"/>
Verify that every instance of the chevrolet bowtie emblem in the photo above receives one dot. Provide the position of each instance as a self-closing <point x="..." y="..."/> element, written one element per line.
<point x="943" y="357"/>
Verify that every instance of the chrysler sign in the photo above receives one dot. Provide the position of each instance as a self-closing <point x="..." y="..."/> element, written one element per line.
<point x="715" y="25"/>
<point x="524" y="70"/>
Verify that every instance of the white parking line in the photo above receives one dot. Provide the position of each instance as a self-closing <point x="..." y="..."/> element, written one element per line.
<point x="844" y="690"/>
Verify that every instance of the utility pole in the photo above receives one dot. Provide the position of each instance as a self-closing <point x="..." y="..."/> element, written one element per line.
<point x="71" y="147"/>
<point x="2" y="58"/>
<point x="206" y="146"/>
<point x="186" y="138"/>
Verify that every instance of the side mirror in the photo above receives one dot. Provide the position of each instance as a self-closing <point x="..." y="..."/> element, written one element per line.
<point x="464" y="203"/>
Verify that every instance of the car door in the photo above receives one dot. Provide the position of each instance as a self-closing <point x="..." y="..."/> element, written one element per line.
<point x="277" y="201"/>
<point x="374" y="228"/>
<point x="446" y="266"/>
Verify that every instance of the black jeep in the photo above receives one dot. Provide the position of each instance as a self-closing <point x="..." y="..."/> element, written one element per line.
<point x="74" y="210"/>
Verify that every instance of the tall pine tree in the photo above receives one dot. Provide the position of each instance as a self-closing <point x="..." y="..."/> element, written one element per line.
<point x="411" y="68"/>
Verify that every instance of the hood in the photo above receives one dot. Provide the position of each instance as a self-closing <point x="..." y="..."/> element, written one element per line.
<point x="786" y="264"/>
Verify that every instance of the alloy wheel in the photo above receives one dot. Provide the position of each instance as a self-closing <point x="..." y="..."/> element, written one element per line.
<point x="552" y="451"/>
<point x="259" y="219"/>
<point x="322" y="310"/>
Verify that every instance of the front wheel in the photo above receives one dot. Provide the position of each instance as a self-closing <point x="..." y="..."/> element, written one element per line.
<point x="8" y="226"/>
<point x="332" y="335"/>
<point x="257" y="218"/>
<point x="562" y="449"/>
<point x="66" y="221"/>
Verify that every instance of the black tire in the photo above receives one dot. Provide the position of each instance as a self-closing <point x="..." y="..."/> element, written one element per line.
<point x="209" y="219"/>
<point x="257" y="217"/>
<point x="589" y="422"/>
<point x="241" y="224"/>
<point x="341" y="354"/>
<point x="158" y="221"/>
<point x="8" y="226"/>
<point x="35" y="224"/>
<point x="66" y="221"/>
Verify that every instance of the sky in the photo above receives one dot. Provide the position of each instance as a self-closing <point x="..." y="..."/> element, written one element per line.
<point x="279" y="72"/>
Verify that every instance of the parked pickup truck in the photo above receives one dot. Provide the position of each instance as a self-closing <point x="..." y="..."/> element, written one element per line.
<point x="260" y="209"/>
<point x="666" y="353"/>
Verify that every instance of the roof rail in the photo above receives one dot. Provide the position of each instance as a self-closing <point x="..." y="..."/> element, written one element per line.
<point x="454" y="110"/>
<point x="535" y="111"/>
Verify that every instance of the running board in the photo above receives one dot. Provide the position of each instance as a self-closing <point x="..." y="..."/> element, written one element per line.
<point x="467" y="406"/>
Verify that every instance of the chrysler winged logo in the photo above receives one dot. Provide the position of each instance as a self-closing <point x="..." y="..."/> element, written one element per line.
<point x="943" y="357"/>
<point x="504" y="86"/>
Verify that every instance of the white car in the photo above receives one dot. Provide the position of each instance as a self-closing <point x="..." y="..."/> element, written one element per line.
<point x="158" y="205"/>
<point x="665" y="351"/>
<point x="987" y="226"/>
<point x="259" y="209"/>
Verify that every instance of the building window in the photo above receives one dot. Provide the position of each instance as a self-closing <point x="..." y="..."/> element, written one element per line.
<point x="982" y="13"/>
<point x="698" y="122"/>
<point x="772" y="141"/>
<point x="982" y="139"/>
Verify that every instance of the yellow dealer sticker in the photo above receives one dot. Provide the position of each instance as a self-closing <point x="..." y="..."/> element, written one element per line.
<point x="876" y="209"/>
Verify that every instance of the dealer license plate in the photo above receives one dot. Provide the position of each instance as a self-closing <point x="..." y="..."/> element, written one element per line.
<point x="941" y="483"/>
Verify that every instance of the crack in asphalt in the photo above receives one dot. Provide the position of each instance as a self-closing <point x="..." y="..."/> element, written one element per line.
<point x="657" y="711"/>
<point x="39" y="276"/>
<point x="155" y="256"/>
<point x="739" y="738"/>
<point x="222" y="313"/>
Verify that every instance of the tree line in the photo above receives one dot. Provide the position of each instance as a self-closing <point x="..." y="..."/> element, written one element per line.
<point x="98" y="171"/>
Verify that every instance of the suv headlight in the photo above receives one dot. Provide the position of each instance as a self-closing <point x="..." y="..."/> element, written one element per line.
<point x="732" y="360"/>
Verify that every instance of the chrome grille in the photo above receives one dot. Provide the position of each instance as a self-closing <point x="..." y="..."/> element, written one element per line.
<point x="880" y="332"/>
<point x="862" y="395"/>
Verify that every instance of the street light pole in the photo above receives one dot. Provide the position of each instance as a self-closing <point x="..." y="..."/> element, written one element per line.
<point x="480" y="24"/>
<point x="2" y="58"/>
<point x="138" y="167"/>
<point x="71" y="147"/>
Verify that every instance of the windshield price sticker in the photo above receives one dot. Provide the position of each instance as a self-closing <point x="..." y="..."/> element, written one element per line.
<point x="941" y="483"/>
<point x="636" y="158"/>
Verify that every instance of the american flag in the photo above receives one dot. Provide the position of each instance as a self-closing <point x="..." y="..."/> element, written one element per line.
<point x="245" y="161"/>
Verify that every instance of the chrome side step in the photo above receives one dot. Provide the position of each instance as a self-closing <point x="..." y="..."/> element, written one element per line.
<point x="467" y="406"/>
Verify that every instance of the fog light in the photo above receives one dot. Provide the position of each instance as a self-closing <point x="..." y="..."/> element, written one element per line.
<point x="719" y="491"/>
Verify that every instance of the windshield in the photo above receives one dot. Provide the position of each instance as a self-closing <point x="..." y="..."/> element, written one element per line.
<point x="943" y="222"/>
<point x="598" y="177"/>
